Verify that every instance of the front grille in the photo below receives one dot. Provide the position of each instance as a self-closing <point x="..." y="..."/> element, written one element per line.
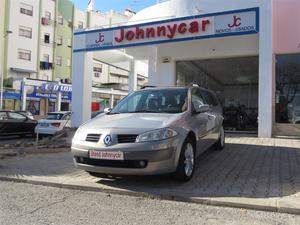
<point x="93" y="137"/>
<point x="126" y="138"/>
<point x="112" y="163"/>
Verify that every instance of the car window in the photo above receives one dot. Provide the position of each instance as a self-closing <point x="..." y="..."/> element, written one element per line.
<point x="54" y="116"/>
<point x="16" y="116"/>
<point x="197" y="99"/>
<point x="66" y="117"/>
<point x="3" y="116"/>
<point x="131" y="104"/>
<point x="209" y="98"/>
<point x="154" y="100"/>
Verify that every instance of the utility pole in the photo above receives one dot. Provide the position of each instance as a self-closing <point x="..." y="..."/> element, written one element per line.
<point x="1" y="93"/>
<point x="2" y="76"/>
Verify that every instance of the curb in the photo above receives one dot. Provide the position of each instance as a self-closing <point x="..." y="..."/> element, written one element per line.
<point x="244" y="204"/>
<point x="30" y="151"/>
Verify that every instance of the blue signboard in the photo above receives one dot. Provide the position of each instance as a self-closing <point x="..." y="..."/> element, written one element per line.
<point x="53" y="96"/>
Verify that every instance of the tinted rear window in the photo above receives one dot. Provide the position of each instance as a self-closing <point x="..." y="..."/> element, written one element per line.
<point x="54" y="116"/>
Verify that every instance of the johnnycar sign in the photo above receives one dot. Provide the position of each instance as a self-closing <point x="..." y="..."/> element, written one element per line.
<point x="237" y="22"/>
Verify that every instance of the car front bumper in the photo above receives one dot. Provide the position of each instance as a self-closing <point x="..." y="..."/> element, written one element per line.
<point x="160" y="158"/>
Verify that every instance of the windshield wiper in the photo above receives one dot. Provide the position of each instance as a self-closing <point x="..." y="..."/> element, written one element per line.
<point x="144" y="111"/>
<point x="112" y="113"/>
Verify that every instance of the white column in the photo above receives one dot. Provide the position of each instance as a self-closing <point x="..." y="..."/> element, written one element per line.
<point x="152" y="66"/>
<point x="82" y="87"/>
<point x="58" y="101"/>
<point x="132" y="81"/>
<point x="111" y="101"/>
<point x="24" y="94"/>
<point x="1" y="91"/>
<point x="266" y="77"/>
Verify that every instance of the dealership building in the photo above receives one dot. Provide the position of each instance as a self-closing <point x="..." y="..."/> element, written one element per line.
<point x="248" y="52"/>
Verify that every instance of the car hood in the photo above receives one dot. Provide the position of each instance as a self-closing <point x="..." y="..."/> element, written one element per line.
<point x="140" y="121"/>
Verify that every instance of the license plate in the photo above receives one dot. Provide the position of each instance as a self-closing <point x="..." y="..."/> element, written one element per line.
<point x="106" y="155"/>
<point x="44" y="124"/>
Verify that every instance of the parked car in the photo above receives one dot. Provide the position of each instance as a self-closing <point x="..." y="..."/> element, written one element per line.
<point x="14" y="123"/>
<point x="54" y="122"/>
<point x="151" y="131"/>
<point x="26" y="113"/>
<point x="296" y="115"/>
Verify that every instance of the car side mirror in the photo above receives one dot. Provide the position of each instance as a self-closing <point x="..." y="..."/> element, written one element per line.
<point x="203" y="108"/>
<point x="107" y="110"/>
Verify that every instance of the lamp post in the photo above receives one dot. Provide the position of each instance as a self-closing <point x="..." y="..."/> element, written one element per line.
<point x="1" y="93"/>
<point x="2" y="76"/>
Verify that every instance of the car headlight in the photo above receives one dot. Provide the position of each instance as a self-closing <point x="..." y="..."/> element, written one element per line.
<point x="80" y="135"/>
<point x="156" y="135"/>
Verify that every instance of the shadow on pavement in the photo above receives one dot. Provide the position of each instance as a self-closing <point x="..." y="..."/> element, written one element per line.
<point x="238" y="171"/>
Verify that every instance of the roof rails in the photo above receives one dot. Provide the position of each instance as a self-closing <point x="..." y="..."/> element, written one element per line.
<point x="147" y="86"/>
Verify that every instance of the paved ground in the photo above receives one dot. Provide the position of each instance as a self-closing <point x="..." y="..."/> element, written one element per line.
<point x="250" y="172"/>
<point x="13" y="139"/>
<point x="22" y="204"/>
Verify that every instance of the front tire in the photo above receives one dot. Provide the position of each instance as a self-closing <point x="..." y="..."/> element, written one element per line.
<point x="186" y="164"/>
<point x="220" y="144"/>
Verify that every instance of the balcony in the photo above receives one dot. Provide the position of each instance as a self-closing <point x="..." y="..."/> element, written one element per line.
<point x="46" y="66"/>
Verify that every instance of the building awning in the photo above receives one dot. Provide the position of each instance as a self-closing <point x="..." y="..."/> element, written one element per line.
<point x="19" y="70"/>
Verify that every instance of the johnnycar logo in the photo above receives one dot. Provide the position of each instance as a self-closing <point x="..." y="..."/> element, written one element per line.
<point x="188" y="28"/>
<point x="100" y="38"/>
<point x="237" y="25"/>
<point x="169" y="31"/>
<point x="236" y="22"/>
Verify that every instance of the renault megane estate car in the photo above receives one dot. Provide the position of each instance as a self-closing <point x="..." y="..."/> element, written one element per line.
<point x="151" y="131"/>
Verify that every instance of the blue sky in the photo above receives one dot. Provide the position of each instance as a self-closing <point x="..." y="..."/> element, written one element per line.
<point x="117" y="5"/>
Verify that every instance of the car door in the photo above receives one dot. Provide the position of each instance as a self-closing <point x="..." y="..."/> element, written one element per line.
<point x="18" y="122"/>
<point x="4" y="123"/>
<point x="199" y="121"/>
<point x="214" y="114"/>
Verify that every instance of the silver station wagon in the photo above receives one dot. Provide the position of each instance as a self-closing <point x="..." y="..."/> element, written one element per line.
<point x="151" y="131"/>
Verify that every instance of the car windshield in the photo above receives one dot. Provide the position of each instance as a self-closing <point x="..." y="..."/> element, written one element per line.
<point x="54" y="116"/>
<point x="154" y="101"/>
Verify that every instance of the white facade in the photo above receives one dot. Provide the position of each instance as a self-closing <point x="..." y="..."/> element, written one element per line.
<point x="260" y="44"/>
<point x="19" y="68"/>
<point x="79" y="19"/>
<point x="164" y="74"/>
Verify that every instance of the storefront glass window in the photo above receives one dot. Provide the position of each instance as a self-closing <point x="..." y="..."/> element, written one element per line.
<point x="33" y="107"/>
<point x="234" y="80"/>
<point x="287" y="96"/>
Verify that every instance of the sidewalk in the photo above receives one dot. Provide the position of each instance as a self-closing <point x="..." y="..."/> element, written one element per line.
<point x="250" y="173"/>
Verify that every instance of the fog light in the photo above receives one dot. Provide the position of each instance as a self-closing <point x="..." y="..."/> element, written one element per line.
<point x="80" y="159"/>
<point x="142" y="163"/>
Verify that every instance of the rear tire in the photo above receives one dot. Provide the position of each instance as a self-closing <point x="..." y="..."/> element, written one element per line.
<point x="220" y="144"/>
<point x="186" y="163"/>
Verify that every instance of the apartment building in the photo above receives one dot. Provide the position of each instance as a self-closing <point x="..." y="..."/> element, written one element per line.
<point x="47" y="40"/>
<point x="36" y="44"/>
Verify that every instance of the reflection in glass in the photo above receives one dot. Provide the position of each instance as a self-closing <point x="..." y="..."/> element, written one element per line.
<point x="235" y="81"/>
<point x="288" y="88"/>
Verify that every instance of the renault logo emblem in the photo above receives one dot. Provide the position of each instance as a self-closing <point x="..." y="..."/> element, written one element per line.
<point x="107" y="140"/>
